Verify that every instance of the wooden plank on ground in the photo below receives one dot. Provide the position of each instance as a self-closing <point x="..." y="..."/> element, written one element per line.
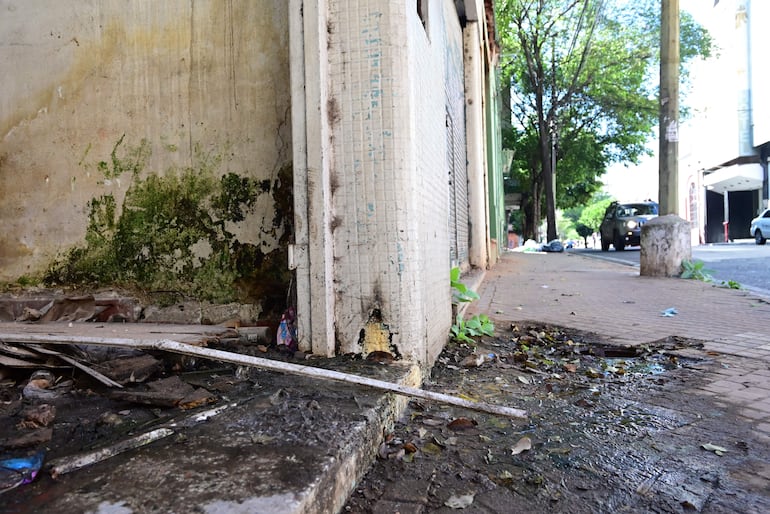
<point x="190" y="334"/>
<point x="18" y="351"/>
<point x="82" y="367"/>
<point x="13" y="362"/>
<point x="258" y="362"/>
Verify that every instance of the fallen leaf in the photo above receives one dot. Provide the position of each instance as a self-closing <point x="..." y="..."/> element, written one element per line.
<point x="37" y="416"/>
<point x="501" y="423"/>
<point x="379" y="357"/>
<point x="572" y="368"/>
<point x="472" y="361"/>
<point x="459" y="502"/>
<point x="714" y="448"/>
<point x="524" y="444"/>
<point x="592" y="373"/>
<point x="260" y="438"/>
<point x="462" y="423"/>
<point x="431" y="449"/>
<point x="523" y="380"/>
<point x="410" y="447"/>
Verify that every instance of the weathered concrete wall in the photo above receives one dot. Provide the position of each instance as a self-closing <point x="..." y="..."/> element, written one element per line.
<point x="166" y="98"/>
<point x="394" y="85"/>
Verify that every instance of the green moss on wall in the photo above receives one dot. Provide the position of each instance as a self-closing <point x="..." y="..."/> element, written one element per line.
<point x="132" y="161"/>
<point x="170" y="235"/>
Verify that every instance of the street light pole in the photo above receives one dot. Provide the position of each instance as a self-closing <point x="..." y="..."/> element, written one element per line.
<point x="668" y="173"/>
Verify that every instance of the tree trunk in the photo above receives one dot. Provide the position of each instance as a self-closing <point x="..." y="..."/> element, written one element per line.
<point x="546" y="157"/>
<point x="537" y="209"/>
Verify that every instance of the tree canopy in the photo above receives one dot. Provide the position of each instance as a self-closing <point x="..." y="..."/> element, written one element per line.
<point x="582" y="79"/>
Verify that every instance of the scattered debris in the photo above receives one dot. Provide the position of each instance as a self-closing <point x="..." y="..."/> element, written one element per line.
<point x="460" y="502"/>
<point x="714" y="448"/>
<point x="169" y="345"/>
<point x="29" y="439"/>
<point x="473" y="360"/>
<point x="69" y="360"/>
<point x="43" y="385"/>
<point x="524" y="444"/>
<point x="379" y="357"/>
<point x="68" y="464"/>
<point x="669" y="313"/>
<point x="462" y="423"/>
<point x="37" y="416"/>
<point x="131" y="369"/>
<point x="167" y="392"/>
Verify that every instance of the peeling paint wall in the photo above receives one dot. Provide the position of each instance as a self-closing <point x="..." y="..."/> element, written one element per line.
<point x="100" y="96"/>
<point x="392" y="82"/>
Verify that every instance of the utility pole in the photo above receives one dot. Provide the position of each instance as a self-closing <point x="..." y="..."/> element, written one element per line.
<point x="668" y="172"/>
<point x="666" y="239"/>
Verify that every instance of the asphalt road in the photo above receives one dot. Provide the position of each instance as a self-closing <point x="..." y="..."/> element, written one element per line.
<point x="742" y="262"/>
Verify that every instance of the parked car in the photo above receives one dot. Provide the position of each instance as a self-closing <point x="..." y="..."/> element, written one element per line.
<point x="622" y="224"/>
<point x="760" y="227"/>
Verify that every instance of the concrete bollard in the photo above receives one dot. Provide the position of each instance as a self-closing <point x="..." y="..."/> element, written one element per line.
<point x="665" y="244"/>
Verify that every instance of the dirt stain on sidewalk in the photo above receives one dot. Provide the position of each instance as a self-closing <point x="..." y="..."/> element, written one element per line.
<point x="611" y="429"/>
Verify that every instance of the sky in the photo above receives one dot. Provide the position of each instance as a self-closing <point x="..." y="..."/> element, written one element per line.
<point x="633" y="183"/>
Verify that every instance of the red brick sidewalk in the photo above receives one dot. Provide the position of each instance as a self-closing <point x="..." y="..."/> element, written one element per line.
<point x="613" y="301"/>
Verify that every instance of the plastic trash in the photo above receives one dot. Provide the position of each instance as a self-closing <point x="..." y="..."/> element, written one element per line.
<point x="669" y="313"/>
<point x="286" y="337"/>
<point x="553" y="246"/>
<point x="19" y="470"/>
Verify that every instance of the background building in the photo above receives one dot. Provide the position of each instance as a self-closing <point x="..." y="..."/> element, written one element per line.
<point x="724" y="147"/>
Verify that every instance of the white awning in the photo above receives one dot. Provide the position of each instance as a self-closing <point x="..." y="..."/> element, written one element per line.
<point x="738" y="177"/>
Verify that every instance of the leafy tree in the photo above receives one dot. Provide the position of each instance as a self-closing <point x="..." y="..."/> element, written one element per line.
<point x="584" y="231"/>
<point x="593" y="214"/>
<point x="581" y="75"/>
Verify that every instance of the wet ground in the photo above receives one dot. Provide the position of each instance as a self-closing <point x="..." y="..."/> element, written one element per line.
<point x="610" y="430"/>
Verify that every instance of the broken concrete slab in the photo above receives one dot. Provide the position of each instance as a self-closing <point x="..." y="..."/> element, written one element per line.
<point x="282" y="441"/>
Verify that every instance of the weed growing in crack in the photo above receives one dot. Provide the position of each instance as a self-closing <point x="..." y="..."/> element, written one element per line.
<point x="463" y="331"/>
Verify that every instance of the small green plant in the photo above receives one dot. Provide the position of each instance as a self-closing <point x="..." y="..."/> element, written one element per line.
<point x="731" y="284"/>
<point x="464" y="331"/>
<point x="461" y="293"/>
<point x="695" y="270"/>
